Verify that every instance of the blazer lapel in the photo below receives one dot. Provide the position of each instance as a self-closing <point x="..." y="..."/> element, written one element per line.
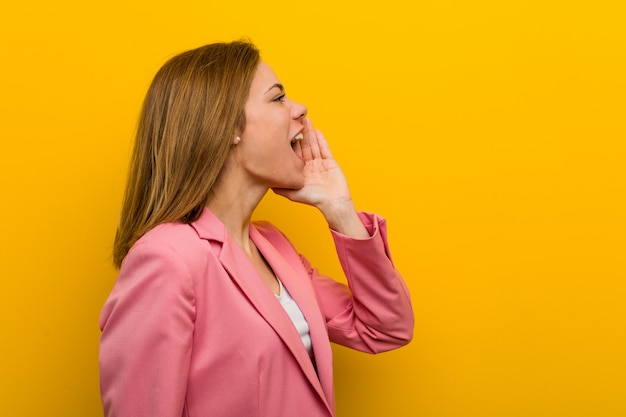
<point x="245" y="276"/>
<point x="299" y="287"/>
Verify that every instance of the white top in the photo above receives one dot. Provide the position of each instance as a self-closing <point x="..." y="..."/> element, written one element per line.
<point x="296" y="316"/>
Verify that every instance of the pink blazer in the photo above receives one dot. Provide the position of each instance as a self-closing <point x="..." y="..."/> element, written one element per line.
<point x="190" y="329"/>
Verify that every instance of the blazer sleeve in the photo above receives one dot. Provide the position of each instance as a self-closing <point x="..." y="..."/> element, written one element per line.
<point x="147" y="328"/>
<point x="373" y="313"/>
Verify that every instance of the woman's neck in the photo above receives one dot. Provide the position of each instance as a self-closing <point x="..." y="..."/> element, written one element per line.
<point x="234" y="206"/>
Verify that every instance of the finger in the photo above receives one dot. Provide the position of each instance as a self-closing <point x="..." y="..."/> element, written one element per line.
<point x="310" y="146"/>
<point x="323" y="145"/>
<point x="314" y="142"/>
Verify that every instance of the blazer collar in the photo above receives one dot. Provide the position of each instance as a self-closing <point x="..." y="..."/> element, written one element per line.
<point x="209" y="227"/>
<point x="245" y="276"/>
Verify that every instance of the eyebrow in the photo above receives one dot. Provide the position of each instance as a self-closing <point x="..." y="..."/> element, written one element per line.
<point x="277" y="85"/>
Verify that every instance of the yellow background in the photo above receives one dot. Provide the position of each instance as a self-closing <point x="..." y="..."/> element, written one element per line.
<point x="490" y="133"/>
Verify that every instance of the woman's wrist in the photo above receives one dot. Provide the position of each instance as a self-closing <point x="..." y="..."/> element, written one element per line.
<point x="343" y="218"/>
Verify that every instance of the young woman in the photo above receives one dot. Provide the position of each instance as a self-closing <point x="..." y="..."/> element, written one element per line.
<point x="213" y="315"/>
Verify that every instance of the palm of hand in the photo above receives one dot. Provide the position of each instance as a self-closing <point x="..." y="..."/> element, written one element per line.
<point x="324" y="183"/>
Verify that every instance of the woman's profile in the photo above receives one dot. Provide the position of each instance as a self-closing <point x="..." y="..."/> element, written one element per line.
<point x="213" y="315"/>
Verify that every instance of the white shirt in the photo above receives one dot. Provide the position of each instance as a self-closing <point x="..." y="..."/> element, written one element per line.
<point x="296" y="316"/>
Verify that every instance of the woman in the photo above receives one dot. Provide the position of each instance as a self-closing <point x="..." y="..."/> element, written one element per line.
<point x="211" y="314"/>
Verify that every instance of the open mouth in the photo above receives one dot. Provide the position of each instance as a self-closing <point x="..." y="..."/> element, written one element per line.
<point x="296" y="138"/>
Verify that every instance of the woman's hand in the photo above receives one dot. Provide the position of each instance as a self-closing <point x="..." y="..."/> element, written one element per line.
<point x="324" y="182"/>
<point x="325" y="185"/>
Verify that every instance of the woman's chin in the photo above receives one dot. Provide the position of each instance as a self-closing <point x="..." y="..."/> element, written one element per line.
<point x="292" y="185"/>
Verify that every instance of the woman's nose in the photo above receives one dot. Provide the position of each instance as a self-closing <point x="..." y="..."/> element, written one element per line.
<point x="299" y="111"/>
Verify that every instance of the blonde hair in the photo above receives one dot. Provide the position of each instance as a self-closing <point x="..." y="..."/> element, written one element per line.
<point x="189" y="118"/>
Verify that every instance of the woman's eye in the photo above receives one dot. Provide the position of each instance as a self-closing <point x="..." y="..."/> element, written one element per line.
<point x="280" y="98"/>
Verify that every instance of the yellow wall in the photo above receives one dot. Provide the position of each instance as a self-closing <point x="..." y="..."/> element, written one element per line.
<point x="490" y="133"/>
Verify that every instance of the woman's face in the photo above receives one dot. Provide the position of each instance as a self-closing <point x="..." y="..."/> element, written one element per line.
<point x="273" y="122"/>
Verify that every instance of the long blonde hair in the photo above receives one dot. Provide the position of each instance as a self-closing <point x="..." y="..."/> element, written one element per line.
<point x="191" y="112"/>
